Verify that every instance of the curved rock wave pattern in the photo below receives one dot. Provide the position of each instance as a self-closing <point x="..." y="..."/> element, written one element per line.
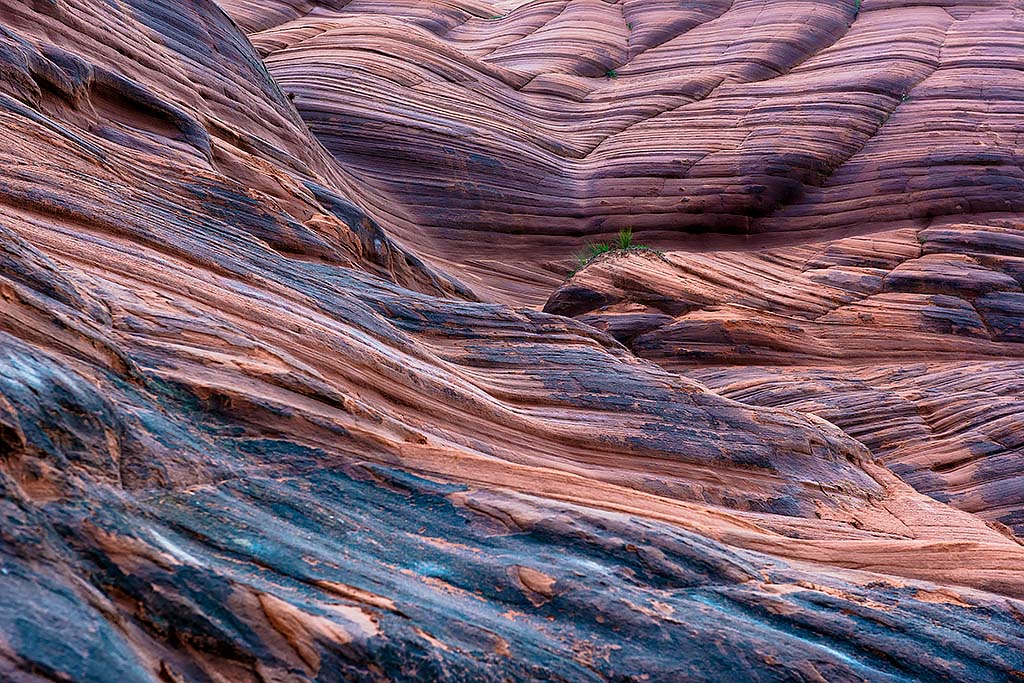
<point x="544" y="124"/>
<point x="907" y="340"/>
<point x="247" y="435"/>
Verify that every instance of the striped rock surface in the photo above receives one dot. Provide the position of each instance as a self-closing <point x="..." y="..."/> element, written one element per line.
<point x="256" y="424"/>
<point x="519" y="129"/>
<point x="910" y="341"/>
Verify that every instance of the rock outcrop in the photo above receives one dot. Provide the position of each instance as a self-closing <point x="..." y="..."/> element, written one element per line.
<point x="910" y="341"/>
<point x="520" y="128"/>
<point x="254" y="427"/>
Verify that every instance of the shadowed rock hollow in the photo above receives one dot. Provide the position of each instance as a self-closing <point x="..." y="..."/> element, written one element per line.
<point x="266" y="413"/>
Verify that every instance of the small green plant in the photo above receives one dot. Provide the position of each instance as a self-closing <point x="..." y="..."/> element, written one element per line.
<point x="591" y="252"/>
<point x="623" y="242"/>
<point x="611" y="73"/>
<point x="856" y="7"/>
<point x="629" y="24"/>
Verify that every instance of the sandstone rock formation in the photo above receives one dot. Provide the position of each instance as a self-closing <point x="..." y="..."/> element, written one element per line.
<point x="906" y="340"/>
<point x="266" y="413"/>
<point x="515" y="126"/>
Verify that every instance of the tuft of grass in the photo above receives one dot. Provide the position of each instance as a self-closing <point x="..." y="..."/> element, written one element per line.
<point x="611" y="73"/>
<point x="591" y="251"/>
<point x="623" y="242"/>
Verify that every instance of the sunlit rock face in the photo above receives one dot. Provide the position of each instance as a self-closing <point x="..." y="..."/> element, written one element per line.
<point x="266" y="416"/>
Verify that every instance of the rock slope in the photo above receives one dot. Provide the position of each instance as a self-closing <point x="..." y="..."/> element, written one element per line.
<point x="248" y="433"/>
<point x="909" y="341"/>
<point x="541" y="123"/>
